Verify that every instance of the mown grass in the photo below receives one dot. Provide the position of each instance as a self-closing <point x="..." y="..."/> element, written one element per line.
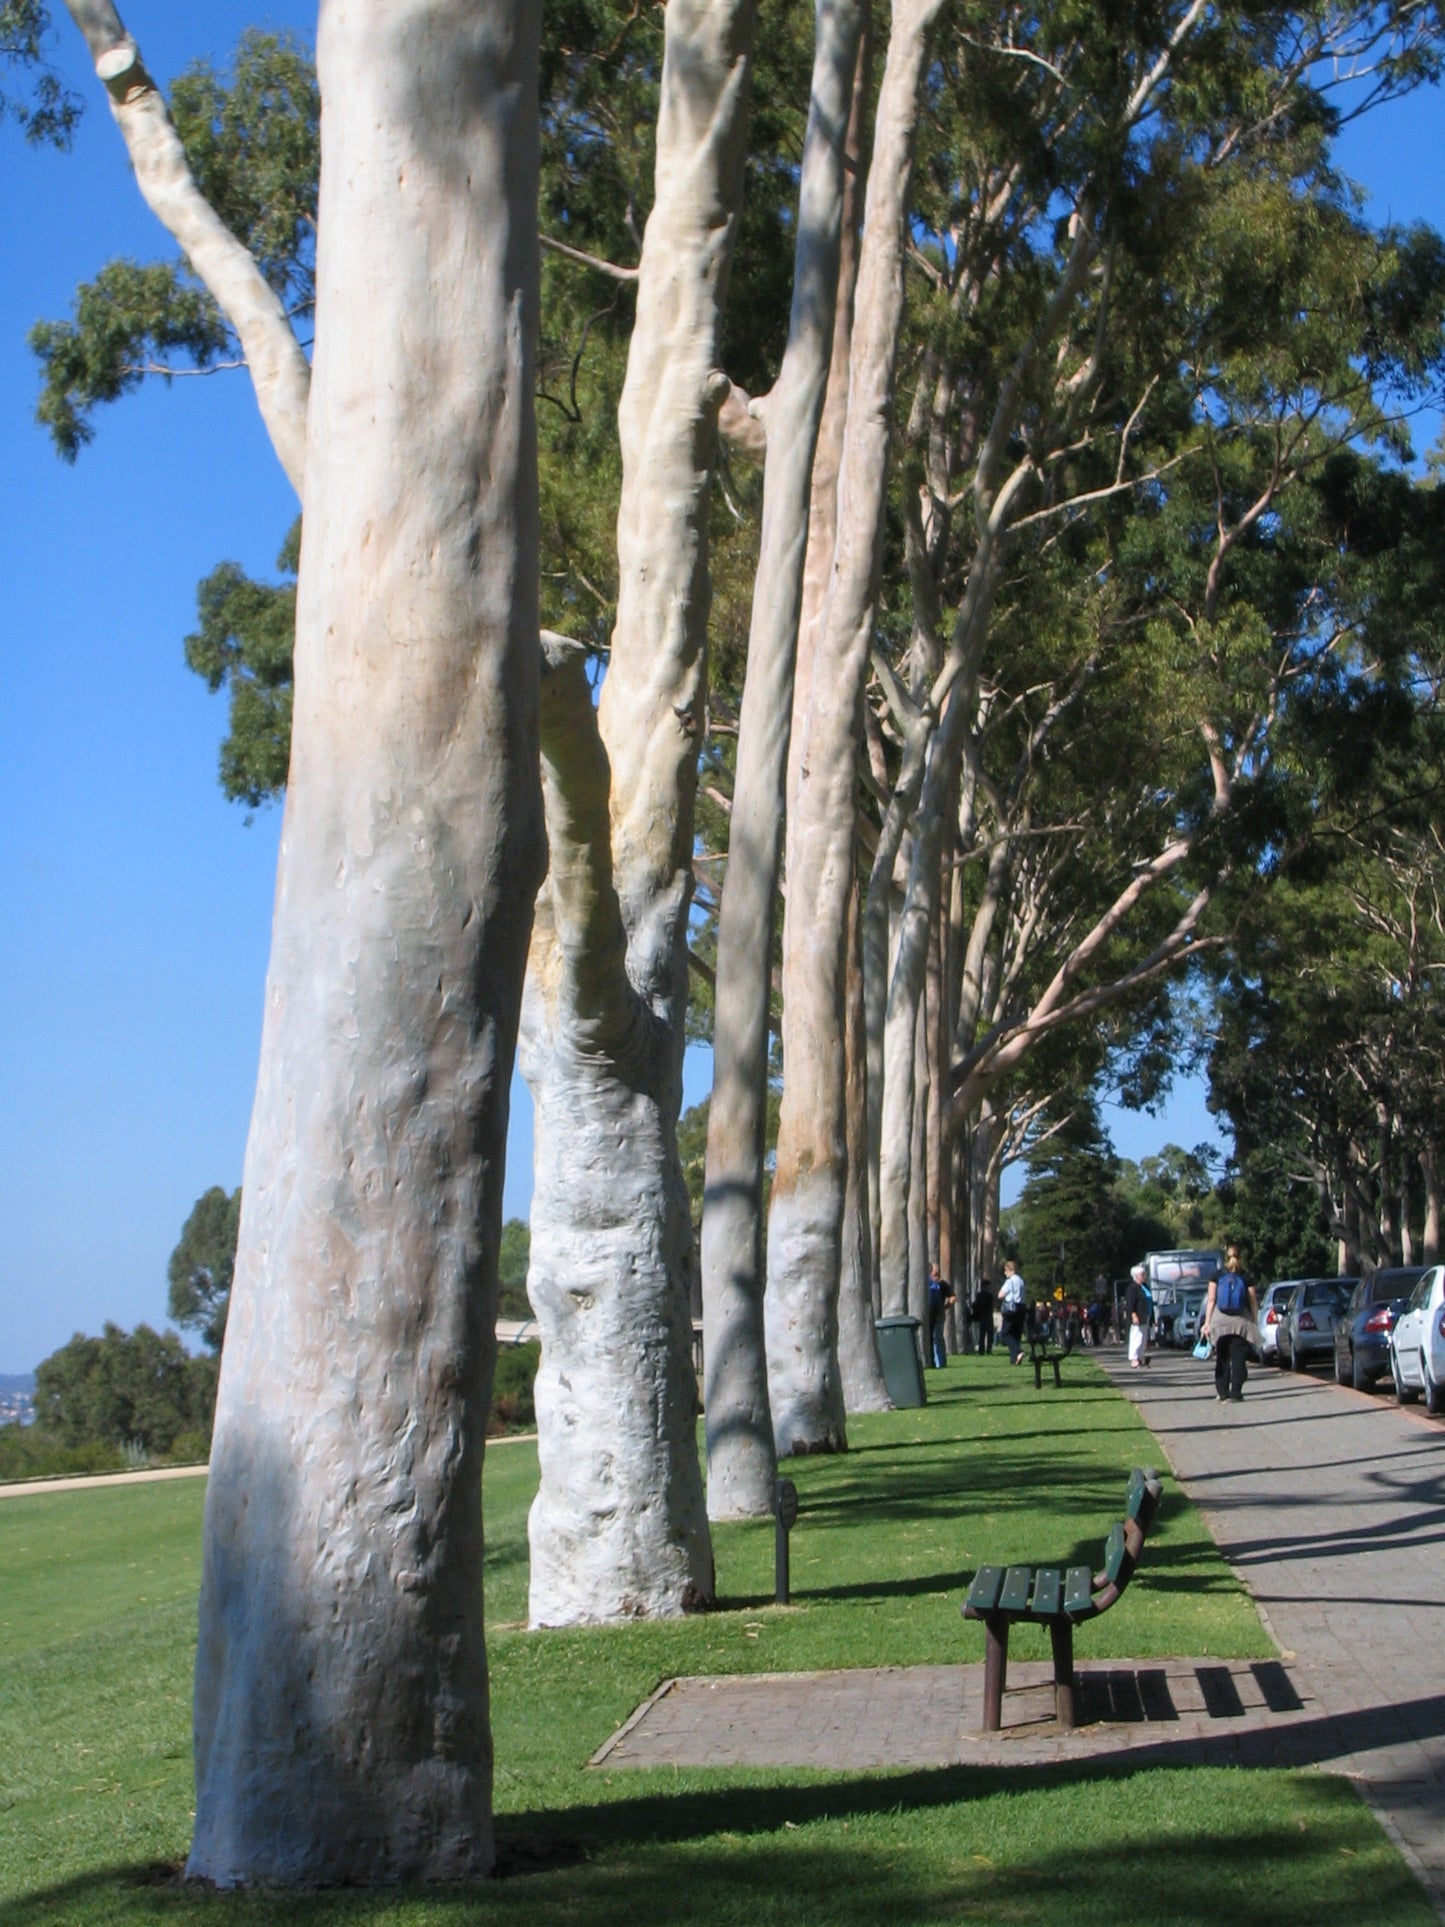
<point x="97" y="1634"/>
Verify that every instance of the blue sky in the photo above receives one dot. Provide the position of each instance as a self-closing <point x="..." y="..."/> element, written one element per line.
<point x="137" y="900"/>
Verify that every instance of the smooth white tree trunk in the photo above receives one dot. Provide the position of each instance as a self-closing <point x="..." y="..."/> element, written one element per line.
<point x="619" y="1525"/>
<point x="341" y="1718"/>
<point x="806" y="1212"/>
<point x="740" y="1464"/>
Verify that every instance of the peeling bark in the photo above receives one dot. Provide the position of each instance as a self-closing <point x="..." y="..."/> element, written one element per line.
<point x="741" y="1465"/>
<point x="341" y="1718"/>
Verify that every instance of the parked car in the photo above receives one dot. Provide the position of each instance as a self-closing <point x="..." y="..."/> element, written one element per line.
<point x="1306" y="1333"/>
<point x="1362" y="1335"/>
<point x="1272" y="1308"/>
<point x="1417" y="1343"/>
<point x="1186" y="1319"/>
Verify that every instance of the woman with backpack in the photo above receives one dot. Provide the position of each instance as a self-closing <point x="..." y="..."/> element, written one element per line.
<point x="1231" y="1320"/>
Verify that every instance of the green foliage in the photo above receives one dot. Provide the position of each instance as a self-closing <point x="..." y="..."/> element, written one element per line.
<point x="27" y="1452"/>
<point x="512" y="1261"/>
<point x="1277" y="1215"/>
<point x="513" y="1409"/>
<point x="47" y="113"/>
<point x="1068" y="1221"/>
<point x="253" y="139"/>
<point x="245" y="643"/>
<point x="124" y="1388"/>
<point x="131" y="321"/>
<point x="203" y="1263"/>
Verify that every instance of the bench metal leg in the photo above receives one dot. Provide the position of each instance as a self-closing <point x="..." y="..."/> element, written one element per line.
<point x="1038" y="1374"/>
<point x="995" y="1669"/>
<point x="1058" y="1382"/>
<point x="1061" y="1634"/>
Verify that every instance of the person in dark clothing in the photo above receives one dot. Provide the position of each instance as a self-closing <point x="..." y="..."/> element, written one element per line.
<point x="981" y="1312"/>
<point x="1094" y="1322"/>
<point x="940" y="1297"/>
<point x="1231" y="1320"/>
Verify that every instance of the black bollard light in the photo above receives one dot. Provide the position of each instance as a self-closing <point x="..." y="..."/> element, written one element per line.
<point x="785" y="1517"/>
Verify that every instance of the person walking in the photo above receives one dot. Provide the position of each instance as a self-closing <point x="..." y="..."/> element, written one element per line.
<point x="981" y="1312"/>
<point x="1138" y="1310"/>
<point x="1231" y="1320"/>
<point x="1012" y="1299"/>
<point x="940" y="1297"/>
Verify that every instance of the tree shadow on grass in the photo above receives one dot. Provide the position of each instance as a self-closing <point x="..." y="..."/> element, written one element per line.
<point x="731" y="1855"/>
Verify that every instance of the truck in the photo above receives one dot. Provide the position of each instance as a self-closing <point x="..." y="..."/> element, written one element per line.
<point x="1174" y="1279"/>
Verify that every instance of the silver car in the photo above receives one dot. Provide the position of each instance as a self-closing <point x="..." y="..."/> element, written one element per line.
<point x="1307" y="1330"/>
<point x="1273" y="1308"/>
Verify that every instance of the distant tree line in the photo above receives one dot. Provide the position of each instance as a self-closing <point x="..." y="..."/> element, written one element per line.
<point x="1085" y="1213"/>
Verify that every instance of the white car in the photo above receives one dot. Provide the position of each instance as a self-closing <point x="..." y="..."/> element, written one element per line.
<point x="1417" y="1343"/>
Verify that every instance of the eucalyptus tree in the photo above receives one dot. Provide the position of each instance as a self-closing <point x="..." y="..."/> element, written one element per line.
<point x="1107" y="314"/>
<point x="806" y="1211"/>
<point x="740" y="1447"/>
<point x="341" y="1718"/>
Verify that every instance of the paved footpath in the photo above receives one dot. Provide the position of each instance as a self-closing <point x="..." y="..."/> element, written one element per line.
<point x="1328" y="1503"/>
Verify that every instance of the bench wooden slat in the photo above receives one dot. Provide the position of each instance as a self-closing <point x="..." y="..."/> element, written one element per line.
<point x="1048" y="1591"/>
<point x="983" y="1593"/>
<point x="1143" y="1494"/>
<point x="1015" y="1595"/>
<point x="1078" y="1589"/>
<point x="1114" y="1552"/>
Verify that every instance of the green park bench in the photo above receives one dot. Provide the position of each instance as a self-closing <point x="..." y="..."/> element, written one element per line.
<point x="1041" y="1353"/>
<point x="1059" y="1598"/>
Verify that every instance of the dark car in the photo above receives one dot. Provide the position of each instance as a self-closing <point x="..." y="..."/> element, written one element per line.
<point x="1306" y="1332"/>
<point x="1362" y="1332"/>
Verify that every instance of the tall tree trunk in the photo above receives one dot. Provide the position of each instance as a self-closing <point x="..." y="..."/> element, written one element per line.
<point x="740" y="1460"/>
<point x="805" y="1217"/>
<point x="341" y="1720"/>
<point x="619" y="1525"/>
<point x="1430" y="1176"/>
<point x="858" y="1361"/>
<point x="917" y="1208"/>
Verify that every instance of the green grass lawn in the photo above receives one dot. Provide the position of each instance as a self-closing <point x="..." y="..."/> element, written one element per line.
<point x="97" y="1605"/>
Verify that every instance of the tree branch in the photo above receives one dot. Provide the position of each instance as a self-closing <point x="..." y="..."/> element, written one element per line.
<point x="280" y="372"/>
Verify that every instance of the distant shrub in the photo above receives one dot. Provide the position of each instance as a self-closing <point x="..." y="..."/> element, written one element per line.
<point x="512" y="1406"/>
<point x="189" y="1448"/>
<point x="26" y="1453"/>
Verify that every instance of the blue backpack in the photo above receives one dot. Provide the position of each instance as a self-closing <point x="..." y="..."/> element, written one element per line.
<point x="1230" y="1293"/>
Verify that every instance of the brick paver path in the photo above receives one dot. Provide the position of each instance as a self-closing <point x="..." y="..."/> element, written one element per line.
<point x="1329" y="1504"/>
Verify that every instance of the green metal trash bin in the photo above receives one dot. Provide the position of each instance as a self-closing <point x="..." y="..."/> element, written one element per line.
<point x="901" y="1360"/>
